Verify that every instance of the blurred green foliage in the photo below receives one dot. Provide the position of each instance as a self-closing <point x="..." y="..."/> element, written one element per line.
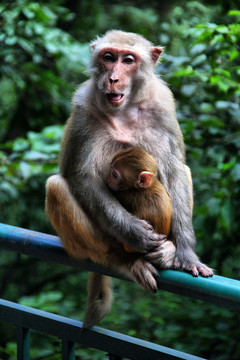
<point x="44" y="55"/>
<point x="38" y="62"/>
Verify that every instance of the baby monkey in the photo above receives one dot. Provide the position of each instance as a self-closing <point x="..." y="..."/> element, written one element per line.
<point x="132" y="178"/>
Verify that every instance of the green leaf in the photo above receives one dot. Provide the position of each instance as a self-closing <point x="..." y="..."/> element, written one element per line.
<point x="224" y="72"/>
<point x="235" y="28"/>
<point x="236" y="172"/>
<point x="25" y="170"/>
<point x="222" y="29"/>
<point x="20" y="144"/>
<point x="26" y="45"/>
<point x="11" y="40"/>
<point x="223" y="104"/>
<point x="188" y="71"/>
<point x="188" y="90"/>
<point x="35" y="156"/>
<point x="28" y="13"/>
<point x="233" y="55"/>
<point x="53" y="132"/>
<point x="201" y="59"/>
<point x="216" y="39"/>
<point x="226" y="166"/>
<point x="234" y="13"/>
<point x="222" y="85"/>
<point x="9" y="189"/>
<point x="197" y="49"/>
<point x="205" y="107"/>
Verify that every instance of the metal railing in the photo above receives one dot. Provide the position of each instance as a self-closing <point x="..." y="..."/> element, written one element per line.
<point x="218" y="290"/>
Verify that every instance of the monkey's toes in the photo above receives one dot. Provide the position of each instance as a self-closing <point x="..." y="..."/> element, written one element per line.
<point x="194" y="271"/>
<point x="144" y="274"/>
<point x="202" y="270"/>
<point x="163" y="255"/>
<point x="205" y="271"/>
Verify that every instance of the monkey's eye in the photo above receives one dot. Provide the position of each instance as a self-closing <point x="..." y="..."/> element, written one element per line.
<point x="129" y="59"/>
<point x="108" y="57"/>
<point x="114" y="174"/>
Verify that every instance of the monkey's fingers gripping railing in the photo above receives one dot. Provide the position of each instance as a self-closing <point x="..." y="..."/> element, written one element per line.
<point x="218" y="290"/>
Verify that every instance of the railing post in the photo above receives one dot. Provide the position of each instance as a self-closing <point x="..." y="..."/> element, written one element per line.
<point x="23" y="343"/>
<point x="68" y="350"/>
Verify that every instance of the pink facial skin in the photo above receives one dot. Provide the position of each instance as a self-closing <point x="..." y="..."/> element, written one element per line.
<point x="118" y="67"/>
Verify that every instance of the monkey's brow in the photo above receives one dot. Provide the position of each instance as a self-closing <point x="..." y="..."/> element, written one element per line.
<point x="113" y="49"/>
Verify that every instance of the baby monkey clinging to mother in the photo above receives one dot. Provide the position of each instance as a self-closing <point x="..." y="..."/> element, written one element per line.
<point x="132" y="178"/>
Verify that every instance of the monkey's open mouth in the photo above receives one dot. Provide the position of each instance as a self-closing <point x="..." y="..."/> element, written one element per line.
<point x="115" y="98"/>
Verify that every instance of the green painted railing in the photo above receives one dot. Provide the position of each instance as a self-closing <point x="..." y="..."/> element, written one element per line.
<point x="218" y="290"/>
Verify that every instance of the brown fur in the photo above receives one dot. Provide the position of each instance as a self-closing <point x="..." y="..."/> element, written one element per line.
<point x="151" y="203"/>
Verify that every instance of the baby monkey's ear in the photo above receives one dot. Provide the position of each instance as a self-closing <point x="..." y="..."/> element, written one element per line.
<point x="145" y="179"/>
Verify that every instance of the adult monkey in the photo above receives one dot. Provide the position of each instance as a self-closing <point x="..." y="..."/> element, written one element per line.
<point x="123" y="105"/>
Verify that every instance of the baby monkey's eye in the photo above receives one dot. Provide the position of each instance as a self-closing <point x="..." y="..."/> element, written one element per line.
<point x="114" y="174"/>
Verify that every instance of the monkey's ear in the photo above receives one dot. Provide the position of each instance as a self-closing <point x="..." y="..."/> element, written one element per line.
<point x="155" y="53"/>
<point x="93" y="45"/>
<point x="144" y="179"/>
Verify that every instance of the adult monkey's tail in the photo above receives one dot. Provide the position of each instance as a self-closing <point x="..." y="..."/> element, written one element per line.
<point x="100" y="298"/>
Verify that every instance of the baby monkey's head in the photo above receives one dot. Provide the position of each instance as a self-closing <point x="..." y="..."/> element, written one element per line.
<point x="131" y="168"/>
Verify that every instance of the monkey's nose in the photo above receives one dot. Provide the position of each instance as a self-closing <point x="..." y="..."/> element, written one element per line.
<point x="113" y="80"/>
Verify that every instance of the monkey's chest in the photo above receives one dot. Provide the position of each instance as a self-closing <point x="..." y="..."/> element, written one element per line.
<point x="122" y="134"/>
<point x="128" y="127"/>
<point x="127" y="133"/>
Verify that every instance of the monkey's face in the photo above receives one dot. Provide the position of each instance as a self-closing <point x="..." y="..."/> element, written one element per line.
<point x="117" y="70"/>
<point x="114" y="179"/>
<point x="120" y="179"/>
